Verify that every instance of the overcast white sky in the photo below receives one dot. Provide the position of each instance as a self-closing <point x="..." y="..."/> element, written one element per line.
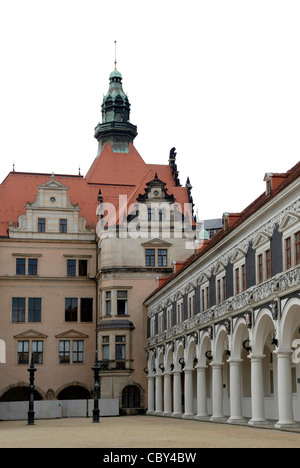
<point x="219" y="80"/>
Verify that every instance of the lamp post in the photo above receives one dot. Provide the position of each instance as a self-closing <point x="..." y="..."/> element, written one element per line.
<point x="96" y="411"/>
<point x="30" y="413"/>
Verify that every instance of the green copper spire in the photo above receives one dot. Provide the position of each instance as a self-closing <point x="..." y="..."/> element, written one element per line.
<point x="115" y="127"/>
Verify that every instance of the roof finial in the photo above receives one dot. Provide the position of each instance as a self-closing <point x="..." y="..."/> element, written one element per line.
<point x="115" y="55"/>
<point x="13" y="167"/>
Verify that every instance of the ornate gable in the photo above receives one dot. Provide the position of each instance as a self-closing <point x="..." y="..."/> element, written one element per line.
<point x="52" y="204"/>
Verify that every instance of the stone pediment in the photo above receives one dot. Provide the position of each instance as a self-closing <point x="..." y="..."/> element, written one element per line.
<point x="219" y="268"/>
<point x="156" y="243"/>
<point x="53" y="184"/>
<point x="288" y="220"/>
<point x="72" y="334"/>
<point x="203" y="278"/>
<point x="260" y="239"/>
<point x="238" y="254"/>
<point x="31" y="334"/>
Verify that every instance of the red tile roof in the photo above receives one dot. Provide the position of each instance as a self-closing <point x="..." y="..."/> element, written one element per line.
<point x="115" y="174"/>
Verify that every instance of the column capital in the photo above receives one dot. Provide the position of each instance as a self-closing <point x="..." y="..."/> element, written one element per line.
<point x="283" y="352"/>
<point x="188" y="370"/>
<point x="216" y="365"/>
<point x="233" y="362"/>
<point x="256" y="357"/>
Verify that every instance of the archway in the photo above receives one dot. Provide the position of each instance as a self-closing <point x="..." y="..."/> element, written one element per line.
<point x="131" y="397"/>
<point x="74" y="392"/>
<point x="289" y="364"/>
<point x="260" y="362"/>
<point x="19" y="393"/>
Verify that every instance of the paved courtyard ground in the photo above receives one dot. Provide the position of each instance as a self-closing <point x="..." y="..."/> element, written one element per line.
<point x="139" y="432"/>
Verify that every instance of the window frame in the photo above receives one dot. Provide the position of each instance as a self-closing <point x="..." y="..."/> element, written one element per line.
<point x="63" y="225"/>
<point x="124" y="301"/>
<point x="150" y="258"/>
<point x="162" y="258"/>
<point x="41" y="225"/>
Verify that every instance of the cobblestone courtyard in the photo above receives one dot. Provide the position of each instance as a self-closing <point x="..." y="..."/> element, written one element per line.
<point x="139" y="432"/>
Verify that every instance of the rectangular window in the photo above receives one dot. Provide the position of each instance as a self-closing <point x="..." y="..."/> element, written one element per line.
<point x="23" y="352"/>
<point x="161" y="215"/>
<point x="150" y="257"/>
<point x="37" y="351"/>
<point x="63" y="226"/>
<point x="71" y="309"/>
<point x="34" y="309"/>
<point x="105" y="348"/>
<point x="18" y="309"/>
<point x="297" y="248"/>
<point x="64" y="352"/>
<point x="169" y="317"/>
<point x="162" y="257"/>
<point x="71" y="267"/>
<point x="120" y="348"/>
<point x="179" y="312"/>
<point x="268" y="264"/>
<point x="122" y="303"/>
<point x="77" y="351"/>
<point x="20" y="266"/>
<point x="260" y="269"/>
<point x="243" y="277"/>
<point x="82" y="268"/>
<point x="150" y="214"/>
<point x="237" y="281"/>
<point x="86" y="309"/>
<point x="224" y="288"/>
<point x="219" y="291"/>
<point x="32" y="266"/>
<point x="108" y="303"/>
<point x="288" y="253"/>
<point x="41" y="225"/>
<point x="160" y="322"/>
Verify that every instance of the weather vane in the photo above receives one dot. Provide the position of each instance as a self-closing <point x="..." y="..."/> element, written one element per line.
<point x="115" y="55"/>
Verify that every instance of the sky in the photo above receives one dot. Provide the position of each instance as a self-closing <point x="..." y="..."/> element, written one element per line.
<point x="217" y="80"/>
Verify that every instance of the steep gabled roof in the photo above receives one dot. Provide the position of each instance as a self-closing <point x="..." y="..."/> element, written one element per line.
<point x="115" y="174"/>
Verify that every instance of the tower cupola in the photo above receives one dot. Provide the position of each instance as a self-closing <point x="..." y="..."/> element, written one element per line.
<point x="115" y="128"/>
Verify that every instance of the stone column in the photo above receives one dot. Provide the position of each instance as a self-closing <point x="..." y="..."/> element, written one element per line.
<point x="257" y="391"/>
<point x="285" y="401"/>
<point x="167" y="395"/>
<point x="217" y="392"/>
<point x="235" y="392"/>
<point x="201" y="393"/>
<point x="150" y="394"/>
<point x="177" y="411"/>
<point x="158" y="395"/>
<point x="188" y="394"/>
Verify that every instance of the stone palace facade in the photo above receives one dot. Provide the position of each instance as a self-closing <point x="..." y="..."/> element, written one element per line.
<point x="224" y="330"/>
